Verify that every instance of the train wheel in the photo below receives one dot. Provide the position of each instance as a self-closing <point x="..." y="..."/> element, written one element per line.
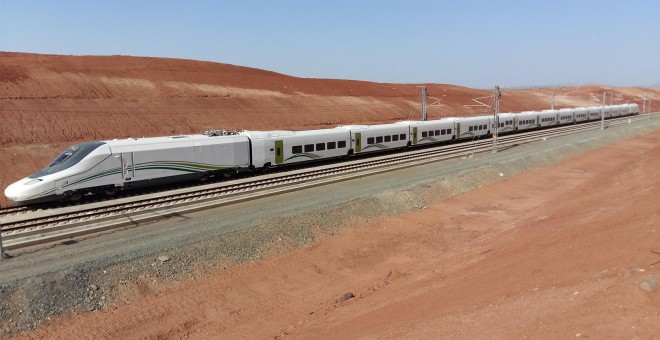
<point x="109" y="191"/>
<point x="75" y="196"/>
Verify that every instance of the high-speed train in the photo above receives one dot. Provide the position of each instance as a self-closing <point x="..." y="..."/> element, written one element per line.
<point x="105" y="167"/>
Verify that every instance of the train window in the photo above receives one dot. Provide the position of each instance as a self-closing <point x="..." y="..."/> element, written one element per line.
<point x="402" y="136"/>
<point x="437" y="132"/>
<point x="320" y="146"/>
<point x="332" y="145"/>
<point x="431" y="133"/>
<point x="296" y="149"/>
<point x="395" y="138"/>
<point x="370" y="140"/>
<point x="424" y="134"/>
<point x="442" y="132"/>
<point x="449" y="131"/>
<point x="379" y="139"/>
<point x="341" y="144"/>
<point x="309" y="148"/>
<point x="388" y="139"/>
<point x="68" y="158"/>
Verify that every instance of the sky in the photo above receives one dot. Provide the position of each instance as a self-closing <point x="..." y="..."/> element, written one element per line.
<point x="469" y="43"/>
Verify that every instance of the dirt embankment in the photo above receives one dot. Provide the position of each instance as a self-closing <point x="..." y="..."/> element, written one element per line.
<point x="50" y="101"/>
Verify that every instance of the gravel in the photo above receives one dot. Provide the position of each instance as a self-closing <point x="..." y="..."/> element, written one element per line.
<point x="84" y="276"/>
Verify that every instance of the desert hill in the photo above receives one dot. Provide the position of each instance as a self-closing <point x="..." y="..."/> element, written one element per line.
<point x="48" y="102"/>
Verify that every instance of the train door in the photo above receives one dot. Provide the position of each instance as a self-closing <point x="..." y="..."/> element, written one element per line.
<point x="127" y="168"/>
<point x="515" y="123"/>
<point x="279" y="152"/>
<point x="458" y="130"/>
<point x="358" y="142"/>
<point x="414" y="141"/>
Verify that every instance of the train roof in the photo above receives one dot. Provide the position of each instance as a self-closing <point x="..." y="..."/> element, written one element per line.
<point x="286" y="133"/>
<point x="171" y="139"/>
<point x="367" y="127"/>
<point x="425" y="122"/>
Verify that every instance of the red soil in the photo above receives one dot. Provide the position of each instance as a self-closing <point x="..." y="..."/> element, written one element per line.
<point x="48" y="102"/>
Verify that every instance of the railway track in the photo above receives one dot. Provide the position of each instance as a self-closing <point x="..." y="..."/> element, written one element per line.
<point x="22" y="227"/>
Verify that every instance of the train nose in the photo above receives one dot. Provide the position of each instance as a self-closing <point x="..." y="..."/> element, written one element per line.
<point x="18" y="192"/>
<point x="12" y="192"/>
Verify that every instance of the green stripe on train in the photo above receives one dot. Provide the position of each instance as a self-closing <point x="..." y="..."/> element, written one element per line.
<point x="305" y="154"/>
<point x="379" y="146"/>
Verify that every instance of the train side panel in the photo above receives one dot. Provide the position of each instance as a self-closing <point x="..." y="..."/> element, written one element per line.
<point x="432" y="131"/>
<point x="507" y="123"/>
<point x="567" y="116"/>
<point x="548" y="118"/>
<point x="527" y="120"/>
<point x="581" y="114"/>
<point x="278" y="148"/>
<point x="473" y="127"/>
<point x="374" y="138"/>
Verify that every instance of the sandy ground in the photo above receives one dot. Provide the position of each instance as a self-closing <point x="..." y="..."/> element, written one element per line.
<point x="48" y="102"/>
<point x="560" y="252"/>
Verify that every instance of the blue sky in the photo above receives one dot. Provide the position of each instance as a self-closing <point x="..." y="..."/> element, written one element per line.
<point x="469" y="43"/>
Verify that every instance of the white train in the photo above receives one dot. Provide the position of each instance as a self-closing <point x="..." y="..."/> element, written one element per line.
<point x="105" y="167"/>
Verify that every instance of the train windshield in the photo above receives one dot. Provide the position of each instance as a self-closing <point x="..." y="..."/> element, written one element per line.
<point x="68" y="158"/>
